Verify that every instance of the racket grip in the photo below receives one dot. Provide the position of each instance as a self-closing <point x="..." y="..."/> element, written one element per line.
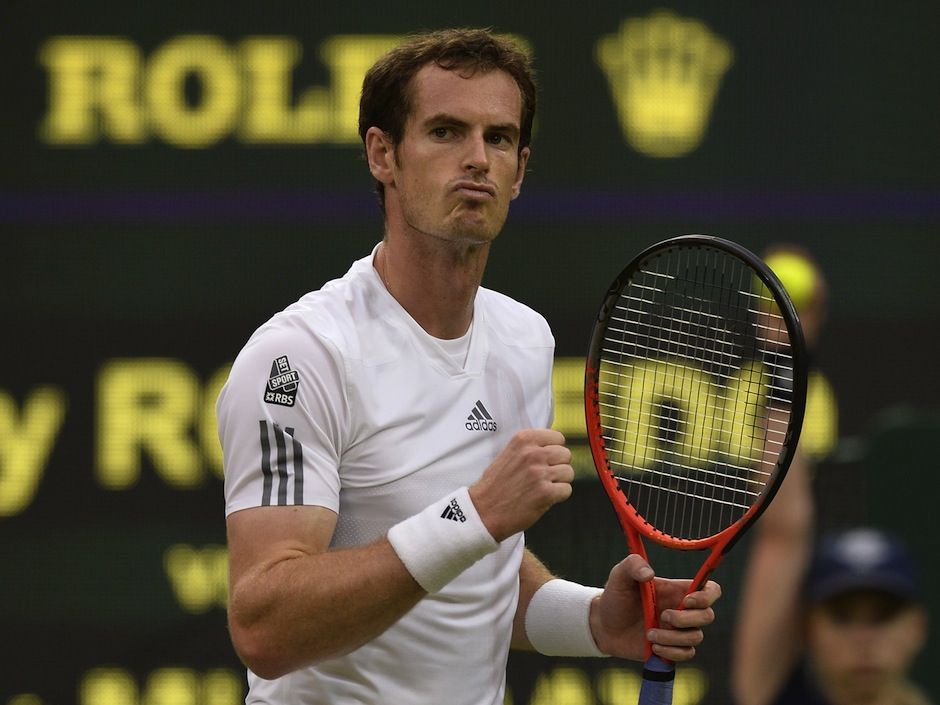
<point x="658" y="678"/>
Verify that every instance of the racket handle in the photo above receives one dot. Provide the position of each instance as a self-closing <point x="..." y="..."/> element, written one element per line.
<point x="658" y="677"/>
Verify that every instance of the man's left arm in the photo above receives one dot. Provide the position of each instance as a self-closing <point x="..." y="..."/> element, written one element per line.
<point x="532" y="575"/>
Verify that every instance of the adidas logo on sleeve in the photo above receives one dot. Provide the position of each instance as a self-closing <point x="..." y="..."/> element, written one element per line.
<point x="480" y="419"/>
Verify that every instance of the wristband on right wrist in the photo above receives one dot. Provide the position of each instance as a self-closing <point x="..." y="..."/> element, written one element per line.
<point x="440" y="542"/>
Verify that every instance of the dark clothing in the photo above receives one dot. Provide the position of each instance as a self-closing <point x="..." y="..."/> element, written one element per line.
<point x="800" y="689"/>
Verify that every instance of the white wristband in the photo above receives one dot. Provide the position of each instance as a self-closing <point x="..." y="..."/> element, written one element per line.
<point x="440" y="542"/>
<point x="556" y="621"/>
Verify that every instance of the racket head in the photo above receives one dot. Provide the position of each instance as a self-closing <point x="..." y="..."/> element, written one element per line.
<point x="695" y="388"/>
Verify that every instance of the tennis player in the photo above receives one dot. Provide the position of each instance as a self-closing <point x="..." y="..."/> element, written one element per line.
<point x="387" y="438"/>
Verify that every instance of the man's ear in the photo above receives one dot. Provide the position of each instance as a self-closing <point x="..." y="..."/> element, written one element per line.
<point x="380" y="151"/>
<point x="520" y="171"/>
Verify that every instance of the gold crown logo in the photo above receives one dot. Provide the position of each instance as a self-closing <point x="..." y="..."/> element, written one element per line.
<point x="664" y="72"/>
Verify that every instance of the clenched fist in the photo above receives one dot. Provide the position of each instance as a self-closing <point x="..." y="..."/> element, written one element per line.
<point x="532" y="473"/>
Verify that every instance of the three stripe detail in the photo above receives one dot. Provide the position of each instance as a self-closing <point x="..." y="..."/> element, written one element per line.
<point x="280" y="468"/>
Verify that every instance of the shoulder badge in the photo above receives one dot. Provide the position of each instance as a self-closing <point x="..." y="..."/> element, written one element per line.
<point x="282" y="384"/>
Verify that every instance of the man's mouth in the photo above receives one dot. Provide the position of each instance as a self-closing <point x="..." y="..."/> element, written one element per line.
<point x="475" y="190"/>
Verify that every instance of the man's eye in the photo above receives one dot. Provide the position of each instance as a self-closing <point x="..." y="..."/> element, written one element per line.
<point x="440" y="132"/>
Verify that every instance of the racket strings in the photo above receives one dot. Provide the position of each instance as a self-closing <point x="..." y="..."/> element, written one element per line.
<point x="609" y="401"/>
<point x="699" y="462"/>
<point x="692" y="390"/>
<point x="719" y="399"/>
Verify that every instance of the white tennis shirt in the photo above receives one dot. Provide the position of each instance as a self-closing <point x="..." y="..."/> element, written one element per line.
<point x="343" y="401"/>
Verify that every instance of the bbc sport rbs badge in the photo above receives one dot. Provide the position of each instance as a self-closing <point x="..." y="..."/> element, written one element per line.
<point x="282" y="384"/>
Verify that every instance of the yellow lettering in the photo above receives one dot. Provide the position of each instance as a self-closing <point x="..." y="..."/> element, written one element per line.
<point x="690" y="686"/>
<point x="660" y="410"/>
<point x="222" y="686"/>
<point x="268" y="63"/>
<point x="25" y="443"/>
<point x="107" y="686"/>
<point x="25" y="699"/>
<point x="93" y="88"/>
<point x="198" y="576"/>
<point x="618" y="686"/>
<point x="742" y="429"/>
<point x="195" y="90"/>
<point x="165" y="686"/>
<point x="349" y="57"/>
<point x="568" y="388"/>
<point x="208" y="423"/>
<point x="216" y="67"/>
<point x="563" y="685"/>
<point x="147" y="405"/>
<point x="621" y="686"/>
<point x="171" y="686"/>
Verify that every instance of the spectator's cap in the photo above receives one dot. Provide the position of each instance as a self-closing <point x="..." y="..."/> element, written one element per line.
<point x="861" y="559"/>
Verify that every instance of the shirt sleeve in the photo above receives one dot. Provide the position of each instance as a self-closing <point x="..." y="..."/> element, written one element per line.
<point x="282" y="415"/>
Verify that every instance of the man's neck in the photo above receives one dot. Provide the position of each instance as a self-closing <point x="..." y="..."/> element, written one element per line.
<point x="434" y="280"/>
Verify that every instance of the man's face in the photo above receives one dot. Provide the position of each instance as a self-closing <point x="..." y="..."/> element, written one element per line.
<point x="458" y="164"/>
<point x="862" y="642"/>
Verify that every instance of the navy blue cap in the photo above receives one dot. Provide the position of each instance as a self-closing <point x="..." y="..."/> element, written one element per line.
<point x="861" y="559"/>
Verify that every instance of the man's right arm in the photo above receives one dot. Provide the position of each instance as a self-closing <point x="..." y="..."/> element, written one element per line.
<point x="292" y="602"/>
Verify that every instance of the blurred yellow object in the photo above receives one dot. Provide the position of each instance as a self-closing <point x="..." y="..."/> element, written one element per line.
<point x="797" y="274"/>
<point x="821" y="423"/>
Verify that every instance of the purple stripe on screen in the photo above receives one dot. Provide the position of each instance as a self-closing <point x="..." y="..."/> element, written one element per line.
<point x="535" y="206"/>
<point x="182" y="206"/>
<point x="853" y="206"/>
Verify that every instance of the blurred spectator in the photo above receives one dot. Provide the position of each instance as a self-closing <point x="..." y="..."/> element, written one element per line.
<point x="850" y="638"/>
<point x="843" y="626"/>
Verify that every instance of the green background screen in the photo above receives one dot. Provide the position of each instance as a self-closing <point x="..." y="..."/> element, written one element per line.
<point x="173" y="174"/>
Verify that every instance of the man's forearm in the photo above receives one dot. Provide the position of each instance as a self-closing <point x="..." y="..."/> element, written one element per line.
<point x="301" y="608"/>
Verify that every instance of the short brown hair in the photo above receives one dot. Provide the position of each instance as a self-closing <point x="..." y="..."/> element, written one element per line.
<point x="386" y="100"/>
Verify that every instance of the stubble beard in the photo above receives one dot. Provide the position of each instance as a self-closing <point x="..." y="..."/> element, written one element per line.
<point x="455" y="231"/>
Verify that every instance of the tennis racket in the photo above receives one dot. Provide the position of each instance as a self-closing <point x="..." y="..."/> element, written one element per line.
<point x="695" y="386"/>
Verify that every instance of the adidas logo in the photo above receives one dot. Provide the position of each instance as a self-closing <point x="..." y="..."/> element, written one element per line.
<point x="480" y="419"/>
<point x="453" y="512"/>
